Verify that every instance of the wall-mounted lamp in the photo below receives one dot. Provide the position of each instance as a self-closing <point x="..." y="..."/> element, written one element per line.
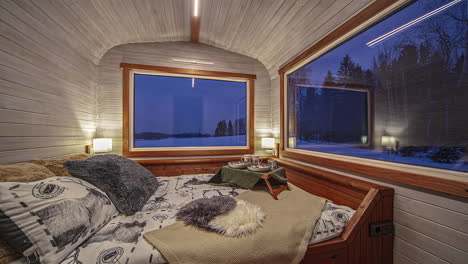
<point x="268" y="144"/>
<point x="389" y="142"/>
<point x="291" y="142"/>
<point x="364" y="139"/>
<point x="101" y="145"/>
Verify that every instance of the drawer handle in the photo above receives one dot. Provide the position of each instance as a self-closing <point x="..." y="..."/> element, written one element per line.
<point x="333" y="256"/>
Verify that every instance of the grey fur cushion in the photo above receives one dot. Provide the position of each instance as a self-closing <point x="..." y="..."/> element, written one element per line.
<point x="201" y="211"/>
<point x="128" y="184"/>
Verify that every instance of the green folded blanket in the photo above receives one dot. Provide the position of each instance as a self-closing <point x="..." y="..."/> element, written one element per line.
<point x="246" y="179"/>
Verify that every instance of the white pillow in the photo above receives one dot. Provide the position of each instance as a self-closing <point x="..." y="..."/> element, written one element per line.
<point x="331" y="223"/>
<point x="46" y="220"/>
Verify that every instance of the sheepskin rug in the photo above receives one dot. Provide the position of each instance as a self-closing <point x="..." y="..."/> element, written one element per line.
<point x="222" y="214"/>
<point x="244" y="219"/>
<point x="201" y="211"/>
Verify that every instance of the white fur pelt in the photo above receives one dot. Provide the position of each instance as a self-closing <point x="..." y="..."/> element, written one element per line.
<point x="244" y="219"/>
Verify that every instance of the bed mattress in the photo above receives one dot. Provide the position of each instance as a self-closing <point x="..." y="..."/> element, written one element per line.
<point x="121" y="240"/>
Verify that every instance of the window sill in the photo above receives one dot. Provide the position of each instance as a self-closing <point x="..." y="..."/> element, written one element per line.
<point x="451" y="182"/>
<point x="178" y="153"/>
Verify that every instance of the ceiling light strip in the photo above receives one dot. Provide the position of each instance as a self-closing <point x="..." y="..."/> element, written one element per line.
<point x="411" y="23"/>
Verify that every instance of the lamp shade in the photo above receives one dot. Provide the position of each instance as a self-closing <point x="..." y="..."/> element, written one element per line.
<point x="388" y="141"/>
<point x="102" y="145"/>
<point x="268" y="143"/>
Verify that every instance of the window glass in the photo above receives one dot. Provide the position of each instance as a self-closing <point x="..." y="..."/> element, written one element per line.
<point x="398" y="91"/>
<point x="188" y="112"/>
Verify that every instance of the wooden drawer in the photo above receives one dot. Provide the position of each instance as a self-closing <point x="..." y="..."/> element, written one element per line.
<point x="330" y="257"/>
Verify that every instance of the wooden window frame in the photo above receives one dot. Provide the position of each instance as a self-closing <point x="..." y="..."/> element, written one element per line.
<point x="127" y="151"/>
<point x="446" y="181"/>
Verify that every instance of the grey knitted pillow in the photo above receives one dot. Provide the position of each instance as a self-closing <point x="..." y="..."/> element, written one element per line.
<point x="128" y="184"/>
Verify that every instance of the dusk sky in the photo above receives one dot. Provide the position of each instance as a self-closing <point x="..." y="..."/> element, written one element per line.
<point x="170" y="105"/>
<point x="364" y="55"/>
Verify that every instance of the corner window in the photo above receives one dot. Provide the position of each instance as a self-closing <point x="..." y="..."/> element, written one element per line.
<point x="192" y="114"/>
<point x="396" y="92"/>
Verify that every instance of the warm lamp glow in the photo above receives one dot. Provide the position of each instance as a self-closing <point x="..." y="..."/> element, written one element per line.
<point x="292" y="142"/>
<point x="102" y="145"/>
<point x="195" y="8"/>
<point x="268" y="143"/>
<point x="388" y="141"/>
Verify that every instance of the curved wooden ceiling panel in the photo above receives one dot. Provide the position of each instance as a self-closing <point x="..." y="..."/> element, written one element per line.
<point x="272" y="31"/>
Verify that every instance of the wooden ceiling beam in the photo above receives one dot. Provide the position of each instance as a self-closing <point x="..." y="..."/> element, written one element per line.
<point x="195" y="21"/>
<point x="194" y="28"/>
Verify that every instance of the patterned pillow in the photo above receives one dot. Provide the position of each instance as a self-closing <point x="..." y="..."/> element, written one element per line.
<point x="331" y="223"/>
<point x="128" y="184"/>
<point x="46" y="220"/>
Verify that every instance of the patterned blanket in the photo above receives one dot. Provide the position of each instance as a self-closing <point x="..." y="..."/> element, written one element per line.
<point x="121" y="241"/>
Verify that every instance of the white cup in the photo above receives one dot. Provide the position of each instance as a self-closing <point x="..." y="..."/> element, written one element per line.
<point x="247" y="158"/>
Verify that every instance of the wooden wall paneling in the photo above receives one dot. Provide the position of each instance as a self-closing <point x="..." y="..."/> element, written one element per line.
<point x="416" y="254"/>
<point x="446" y="253"/>
<point x="402" y="259"/>
<point x="48" y="106"/>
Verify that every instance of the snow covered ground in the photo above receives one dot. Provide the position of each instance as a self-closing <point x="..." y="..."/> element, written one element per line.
<point x="193" y="142"/>
<point x="350" y="150"/>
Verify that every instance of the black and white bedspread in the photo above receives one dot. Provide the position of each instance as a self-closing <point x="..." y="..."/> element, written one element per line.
<point x="121" y="240"/>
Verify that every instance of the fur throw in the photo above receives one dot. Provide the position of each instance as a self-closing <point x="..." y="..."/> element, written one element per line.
<point x="242" y="220"/>
<point x="23" y="172"/>
<point x="201" y="211"/>
<point x="56" y="165"/>
<point x="222" y="214"/>
<point x="7" y="254"/>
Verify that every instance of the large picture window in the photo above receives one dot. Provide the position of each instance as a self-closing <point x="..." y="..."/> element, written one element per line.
<point x="396" y="92"/>
<point x="188" y="113"/>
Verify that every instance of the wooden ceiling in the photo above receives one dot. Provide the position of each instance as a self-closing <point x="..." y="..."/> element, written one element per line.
<point x="272" y="31"/>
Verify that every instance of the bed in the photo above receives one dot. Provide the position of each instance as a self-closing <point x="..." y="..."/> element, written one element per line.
<point x="120" y="240"/>
<point x="373" y="204"/>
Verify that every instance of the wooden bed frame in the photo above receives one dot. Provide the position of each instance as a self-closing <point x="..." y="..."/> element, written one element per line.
<point x="373" y="204"/>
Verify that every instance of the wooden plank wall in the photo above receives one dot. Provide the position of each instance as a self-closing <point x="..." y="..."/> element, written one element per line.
<point x="47" y="89"/>
<point x="162" y="54"/>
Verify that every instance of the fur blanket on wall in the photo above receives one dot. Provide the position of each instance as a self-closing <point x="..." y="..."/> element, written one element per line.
<point x="283" y="239"/>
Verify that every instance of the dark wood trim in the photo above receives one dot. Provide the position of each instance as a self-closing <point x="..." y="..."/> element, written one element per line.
<point x="357" y="20"/>
<point x="336" y="178"/>
<point x="126" y="67"/>
<point x="373" y="203"/>
<point x="179" y="153"/>
<point x="187" y="71"/>
<point x="177" y="167"/>
<point x="445" y="185"/>
<point x="126" y="109"/>
<point x="282" y="112"/>
<point x="185" y="161"/>
<point x="194" y="28"/>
